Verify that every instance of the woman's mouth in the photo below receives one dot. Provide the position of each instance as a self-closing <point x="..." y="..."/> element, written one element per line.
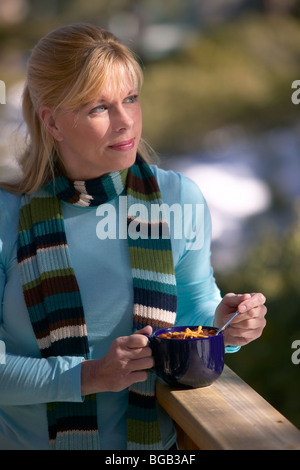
<point x="123" y="146"/>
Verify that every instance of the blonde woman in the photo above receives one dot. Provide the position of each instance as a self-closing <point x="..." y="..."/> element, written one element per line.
<point x="79" y="288"/>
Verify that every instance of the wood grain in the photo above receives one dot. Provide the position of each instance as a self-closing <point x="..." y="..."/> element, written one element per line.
<point x="227" y="415"/>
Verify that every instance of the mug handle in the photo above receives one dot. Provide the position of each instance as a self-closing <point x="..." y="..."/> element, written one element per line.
<point x="150" y="343"/>
<point x="150" y="339"/>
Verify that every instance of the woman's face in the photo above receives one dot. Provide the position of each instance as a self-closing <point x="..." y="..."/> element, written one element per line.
<point x="102" y="136"/>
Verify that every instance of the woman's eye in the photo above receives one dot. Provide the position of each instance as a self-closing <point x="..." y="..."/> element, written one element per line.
<point x="98" y="109"/>
<point x="131" y="99"/>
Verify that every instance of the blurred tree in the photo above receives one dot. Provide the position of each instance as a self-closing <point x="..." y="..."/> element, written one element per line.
<point x="278" y="6"/>
<point x="240" y="73"/>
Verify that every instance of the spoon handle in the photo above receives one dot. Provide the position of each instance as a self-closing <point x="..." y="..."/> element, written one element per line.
<point x="227" y="323"/>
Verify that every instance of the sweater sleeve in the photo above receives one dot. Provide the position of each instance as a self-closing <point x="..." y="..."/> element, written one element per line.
<point x="198" y="294"/>
<point x="29" y="381"/>
<point x="24" y="379"/>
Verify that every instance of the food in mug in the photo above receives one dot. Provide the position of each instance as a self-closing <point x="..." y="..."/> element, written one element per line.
<point x="199" y="332"/>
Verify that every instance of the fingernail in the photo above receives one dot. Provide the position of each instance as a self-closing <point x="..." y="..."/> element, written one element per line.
<point x="242" y="308"/>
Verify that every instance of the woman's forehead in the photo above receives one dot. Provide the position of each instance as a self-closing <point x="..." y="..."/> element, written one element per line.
<point x="106" y="83"/>
<point x="116" y="86"/>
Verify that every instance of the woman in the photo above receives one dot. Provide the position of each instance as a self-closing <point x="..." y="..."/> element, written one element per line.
<point x="79" y="291"/>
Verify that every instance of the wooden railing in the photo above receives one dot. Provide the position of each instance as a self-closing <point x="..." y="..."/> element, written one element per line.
<point x="227" y="415"/>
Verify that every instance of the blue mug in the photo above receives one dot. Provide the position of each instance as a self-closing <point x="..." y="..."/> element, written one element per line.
<point x="187" y="363"/>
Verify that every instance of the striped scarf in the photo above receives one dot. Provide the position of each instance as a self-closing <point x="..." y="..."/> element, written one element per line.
<point x="54" y="303"/>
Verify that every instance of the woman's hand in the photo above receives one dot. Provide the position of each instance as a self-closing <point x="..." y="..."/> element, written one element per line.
<point x="248" y="324"/>
<point x="124" y="364"/>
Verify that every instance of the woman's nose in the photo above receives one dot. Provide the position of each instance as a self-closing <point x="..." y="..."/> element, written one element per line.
<point x="122" y="120"/>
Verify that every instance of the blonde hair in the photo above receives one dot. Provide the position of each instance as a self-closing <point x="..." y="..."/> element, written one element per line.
<point x="67" y="68"/>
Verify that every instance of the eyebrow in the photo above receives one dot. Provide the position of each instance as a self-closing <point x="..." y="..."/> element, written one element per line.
<point x="102" y="101"/>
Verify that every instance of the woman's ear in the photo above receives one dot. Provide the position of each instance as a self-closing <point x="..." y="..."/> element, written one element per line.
<point x="47" y="117"/>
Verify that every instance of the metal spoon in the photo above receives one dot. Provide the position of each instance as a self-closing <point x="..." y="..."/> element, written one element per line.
<point x="227" y="323"/>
